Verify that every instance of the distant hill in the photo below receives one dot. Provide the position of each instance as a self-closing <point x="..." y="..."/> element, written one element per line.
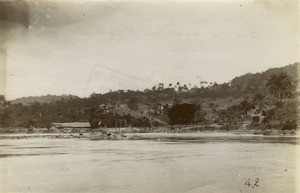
<point x="40" y="99"/>
<point x="258" y="80"/>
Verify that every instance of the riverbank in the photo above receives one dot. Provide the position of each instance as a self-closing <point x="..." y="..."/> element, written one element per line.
<point x="207" y="136"/>
<point x="241" y="128"/>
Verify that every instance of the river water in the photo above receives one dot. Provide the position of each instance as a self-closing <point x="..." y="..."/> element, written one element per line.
<point x="145" y="166"/>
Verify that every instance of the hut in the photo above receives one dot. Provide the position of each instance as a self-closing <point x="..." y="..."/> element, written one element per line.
<point x="69" y="127"/>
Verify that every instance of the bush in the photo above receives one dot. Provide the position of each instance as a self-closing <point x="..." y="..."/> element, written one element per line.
<point x="229" y="127"/>
<point x="182" y="114"/>
<point x="255" y="119"/>
<point x="289" y="125"/>
<point x="267" y="119"/>
<point x="267" y="132"/>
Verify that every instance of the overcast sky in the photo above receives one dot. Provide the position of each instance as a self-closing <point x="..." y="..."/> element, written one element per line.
<point x="82" y="47"/>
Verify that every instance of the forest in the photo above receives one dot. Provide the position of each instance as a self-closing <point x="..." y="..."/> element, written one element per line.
<point x="267" y="99"/>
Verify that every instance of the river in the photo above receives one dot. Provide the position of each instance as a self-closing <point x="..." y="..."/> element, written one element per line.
<point x="44" y="165"/>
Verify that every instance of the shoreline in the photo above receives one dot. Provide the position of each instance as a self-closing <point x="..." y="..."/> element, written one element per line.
<point x="217" y="134"/>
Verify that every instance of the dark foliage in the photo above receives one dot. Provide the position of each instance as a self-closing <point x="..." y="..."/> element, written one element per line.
<point x="289" y="125"/>
<point x="280" y="85"/>
<point x="94" y="122"/>
<point x="157" y="104"/>
<point x="182" y="113"/>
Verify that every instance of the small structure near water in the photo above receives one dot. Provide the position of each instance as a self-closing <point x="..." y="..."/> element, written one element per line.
<point x="69" y="127"/>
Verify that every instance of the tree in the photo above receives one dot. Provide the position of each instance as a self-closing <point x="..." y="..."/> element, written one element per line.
<point x="180" y="88"/>
<point x="259" y="101"/>
<point x="133" y="103"/>
<point x="94" y="122"/>
<point x="230" y="115"/>
<point x="4" y="112"/>
<point x="154" y="88"/>
<point x="161" y="86"/>
<point x="185" y="87"/>
<point x="280" y="86"/>
<point x="182" y="113"/>
<point x="200" y="113"/>
<point x="245" y="106"/>
<point x="2" y="100"/>
<point x="177" y="100"/>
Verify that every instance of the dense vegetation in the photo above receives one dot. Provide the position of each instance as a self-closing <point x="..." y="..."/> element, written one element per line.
<point x="267" y="99"/>
<point x="182" y="114"/>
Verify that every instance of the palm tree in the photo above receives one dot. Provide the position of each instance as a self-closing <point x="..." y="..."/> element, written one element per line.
<point x="161" y="86"/>
<point x="280" y="85"/>
<point x="245" y="106"/>
<point x="259" y="101"/>
<point x="185" y="87"/>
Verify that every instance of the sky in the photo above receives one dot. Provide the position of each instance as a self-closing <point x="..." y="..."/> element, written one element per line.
<point x="81" y="47"/>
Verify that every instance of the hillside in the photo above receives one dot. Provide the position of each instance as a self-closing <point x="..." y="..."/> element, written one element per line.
<point x="258" y="80"/>
<point x="40" y="99"/>
<point x="224" y="104"/>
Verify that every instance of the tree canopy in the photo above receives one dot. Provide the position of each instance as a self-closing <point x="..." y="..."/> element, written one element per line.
<point x="182" y="113"/>
<point x="280" y="86"/>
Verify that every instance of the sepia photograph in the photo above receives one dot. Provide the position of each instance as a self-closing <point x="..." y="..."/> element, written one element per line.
<point x="149" y="96"/>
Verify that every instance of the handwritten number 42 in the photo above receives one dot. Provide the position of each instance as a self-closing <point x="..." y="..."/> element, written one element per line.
<point x="248" y="183"/>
